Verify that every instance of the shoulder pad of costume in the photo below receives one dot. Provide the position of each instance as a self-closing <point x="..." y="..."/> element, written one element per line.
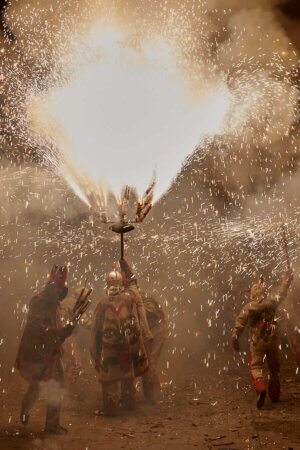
<point x="246" y="307"/>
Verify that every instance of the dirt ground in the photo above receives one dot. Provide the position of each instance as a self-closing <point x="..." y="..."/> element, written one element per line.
<point x="204" y="409"/>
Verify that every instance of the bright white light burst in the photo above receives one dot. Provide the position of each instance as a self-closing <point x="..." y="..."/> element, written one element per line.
<point x="125" y="113"/>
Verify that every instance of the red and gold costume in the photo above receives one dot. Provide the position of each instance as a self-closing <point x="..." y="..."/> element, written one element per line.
<point x="116" y="343"/>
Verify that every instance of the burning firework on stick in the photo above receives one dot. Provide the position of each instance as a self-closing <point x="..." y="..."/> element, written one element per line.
<point x="143" y="207"/>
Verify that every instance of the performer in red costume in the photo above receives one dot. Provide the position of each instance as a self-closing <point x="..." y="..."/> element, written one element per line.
<point x="259" y="315"/>
<point x="40" y="350"/>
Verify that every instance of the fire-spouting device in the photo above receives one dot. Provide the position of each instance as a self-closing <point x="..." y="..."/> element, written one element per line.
<point x="125" y="225"/>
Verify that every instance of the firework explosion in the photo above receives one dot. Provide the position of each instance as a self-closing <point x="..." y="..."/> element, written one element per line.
<point x="74" y="94"/>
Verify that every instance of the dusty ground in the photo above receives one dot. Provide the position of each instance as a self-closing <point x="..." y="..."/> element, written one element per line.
<point x="203" y="410"/>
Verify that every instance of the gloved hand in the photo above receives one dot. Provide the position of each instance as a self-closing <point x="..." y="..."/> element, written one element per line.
<point x="126" y="269"/>
<point x="289" y="275"/>
<point x="235" y="344"/>
<point x="66" y="331"/>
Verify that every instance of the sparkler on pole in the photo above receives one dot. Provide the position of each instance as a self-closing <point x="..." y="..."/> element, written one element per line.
<point x="285" y="246"/>
<point x="143" y="207"/>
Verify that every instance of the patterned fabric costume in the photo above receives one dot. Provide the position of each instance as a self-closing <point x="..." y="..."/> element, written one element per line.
<point x="159" y="329"/>
<point x="117" y="347"/>
<point x="259" y="315"/>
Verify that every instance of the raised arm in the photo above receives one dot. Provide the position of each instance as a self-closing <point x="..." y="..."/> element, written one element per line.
<point x="274" y="301"/>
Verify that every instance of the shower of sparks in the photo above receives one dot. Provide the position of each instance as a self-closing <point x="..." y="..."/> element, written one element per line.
<point x="122" y="112"/>
<point x="219" y="80"/>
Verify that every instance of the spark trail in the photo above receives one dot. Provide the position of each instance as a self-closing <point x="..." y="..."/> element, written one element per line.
<point x="227" y="75"/>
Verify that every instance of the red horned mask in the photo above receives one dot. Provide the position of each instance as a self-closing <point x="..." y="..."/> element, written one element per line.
<point x="58" y="275"/>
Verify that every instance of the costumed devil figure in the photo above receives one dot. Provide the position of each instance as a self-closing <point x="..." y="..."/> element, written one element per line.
<point x="260" y="316"/>
<point x="40" y="350"/>
<point x="116" y="343"/>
